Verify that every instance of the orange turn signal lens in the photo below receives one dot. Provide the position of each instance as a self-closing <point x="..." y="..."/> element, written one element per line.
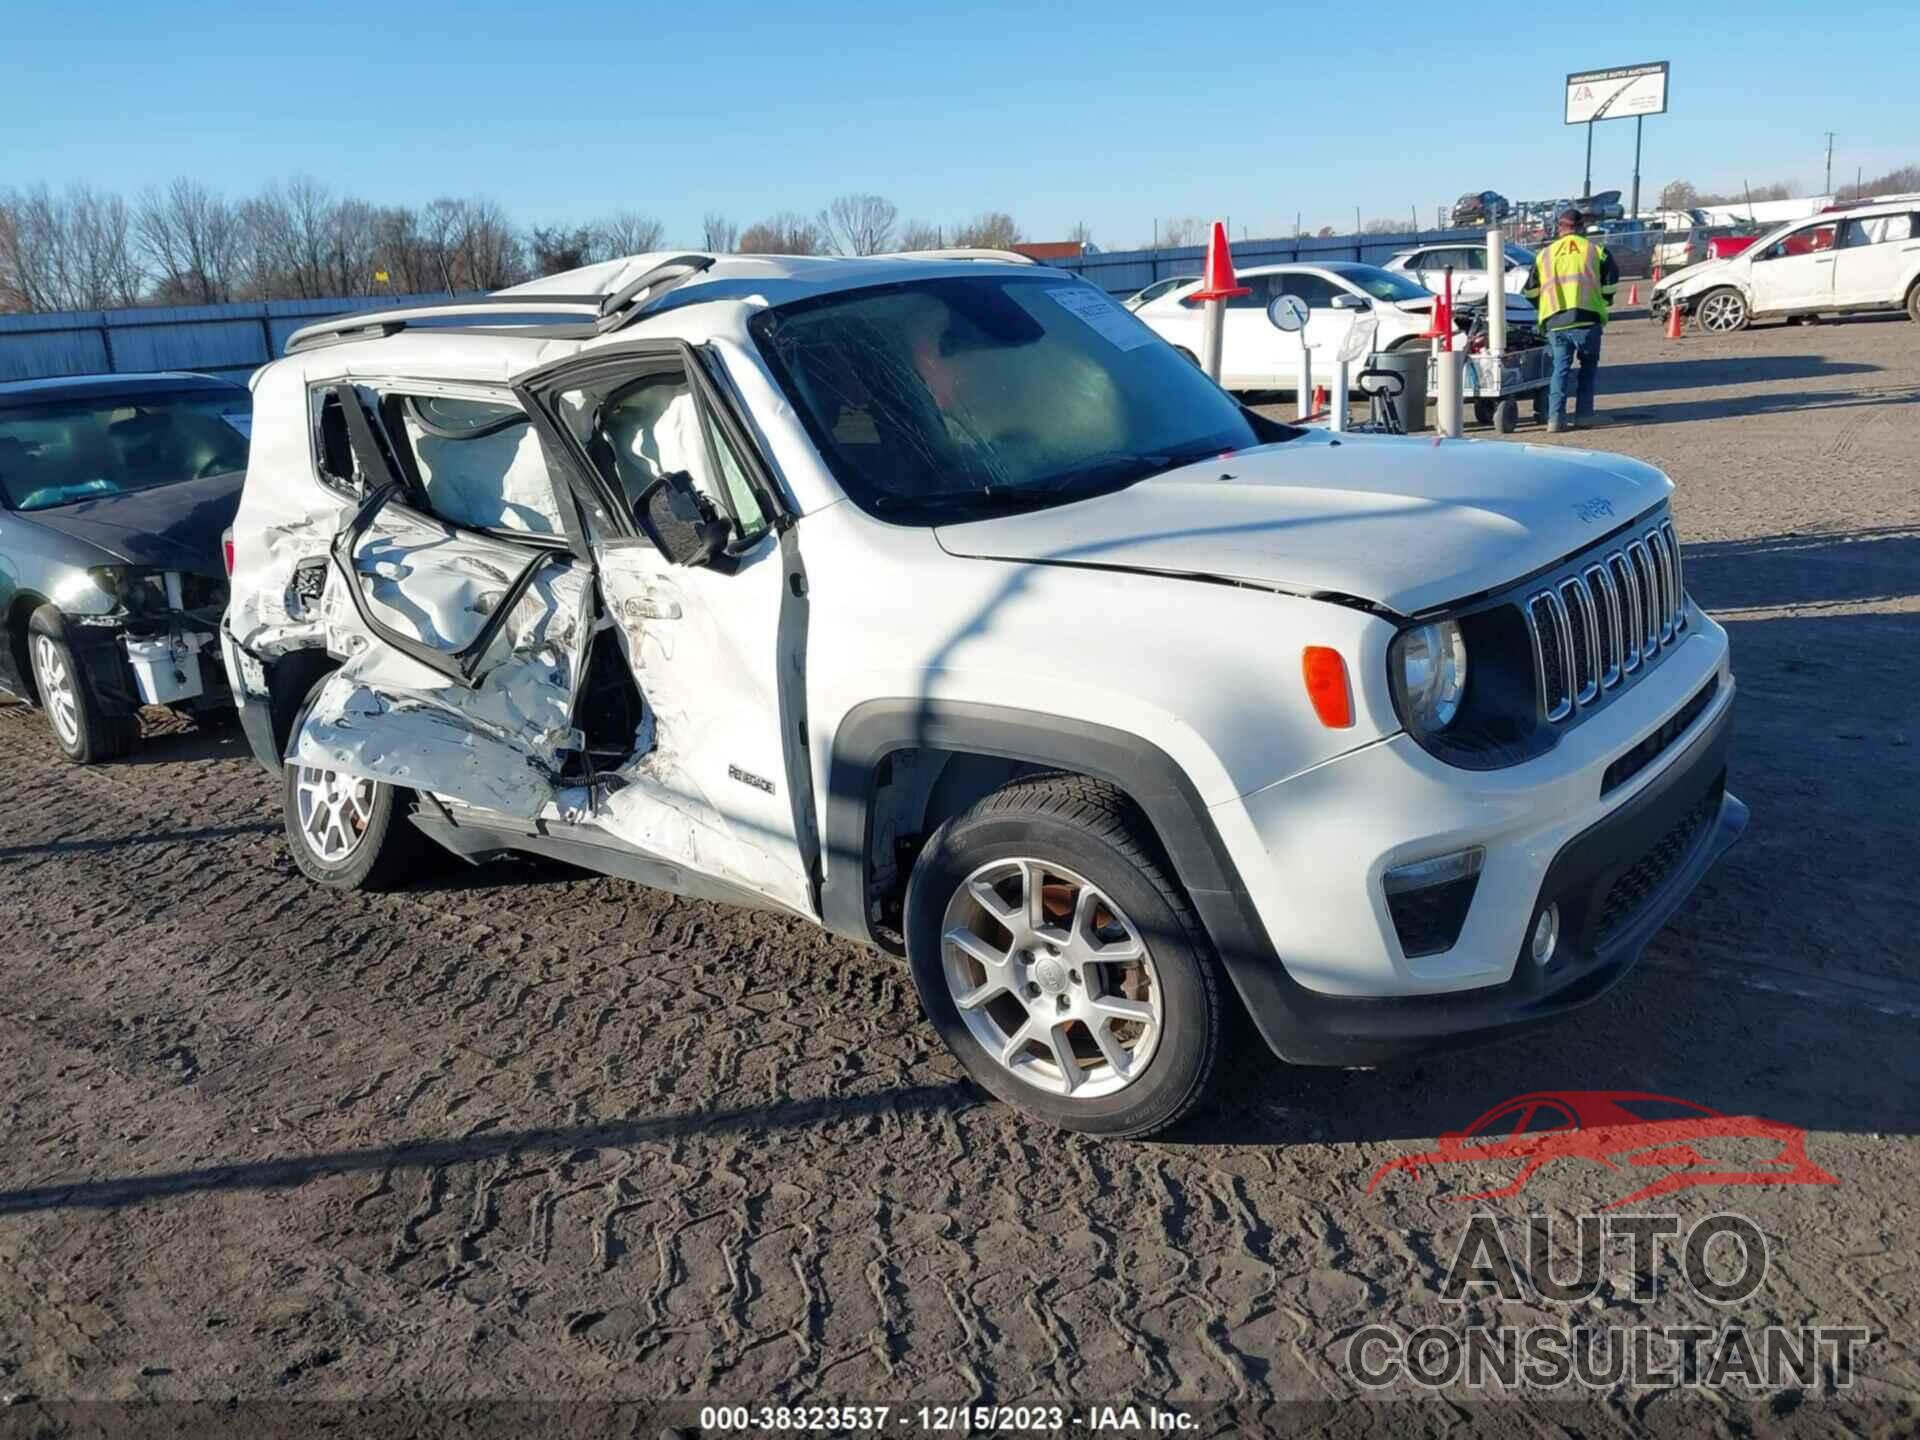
<point x="1326" y="676"/>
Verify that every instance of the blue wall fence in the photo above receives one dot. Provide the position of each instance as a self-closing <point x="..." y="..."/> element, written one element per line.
<point x="236" y="339"/>
<point x="232" y="340"/>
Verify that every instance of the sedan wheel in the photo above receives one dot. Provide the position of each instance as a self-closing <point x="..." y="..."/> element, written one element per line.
<point x="55" y="680"/>
<point x="1721" y="312"/>
<point x="1051" y="978"/>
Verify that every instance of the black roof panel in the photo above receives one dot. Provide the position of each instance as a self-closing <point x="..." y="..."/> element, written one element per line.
<point x="82" y="387"/>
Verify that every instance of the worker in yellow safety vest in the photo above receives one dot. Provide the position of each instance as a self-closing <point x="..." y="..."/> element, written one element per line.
<point x="1573" y="282"/>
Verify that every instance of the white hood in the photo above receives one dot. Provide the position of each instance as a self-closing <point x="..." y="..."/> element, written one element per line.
<point x="1408" y="523"/>
<point x="1687" y="278"/>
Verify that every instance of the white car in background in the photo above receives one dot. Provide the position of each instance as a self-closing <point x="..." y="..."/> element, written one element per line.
<point x="1838" y="262"/>
<point x="1158" y="288"/>
<point x="1427" y="265"/>
<point x="1257" y="356"/>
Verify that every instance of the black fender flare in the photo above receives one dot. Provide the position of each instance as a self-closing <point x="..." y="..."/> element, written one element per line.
<point x="1150" y="777"/>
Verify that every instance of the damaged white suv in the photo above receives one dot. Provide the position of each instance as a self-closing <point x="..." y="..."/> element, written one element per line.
<point x="935" y="600"/>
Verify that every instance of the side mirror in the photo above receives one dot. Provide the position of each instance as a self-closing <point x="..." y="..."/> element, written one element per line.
<point x="1348" y="301"/>
<point x="679" y="520"/>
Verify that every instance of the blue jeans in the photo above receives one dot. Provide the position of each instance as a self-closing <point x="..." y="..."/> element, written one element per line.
<point x="1584" y="341"/>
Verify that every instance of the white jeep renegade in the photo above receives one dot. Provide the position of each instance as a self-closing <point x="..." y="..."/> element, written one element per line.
<point x="933" y="599"/>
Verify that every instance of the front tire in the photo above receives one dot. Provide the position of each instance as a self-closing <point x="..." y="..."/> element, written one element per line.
<point x="1913" y="304"/>
<point x="85" y="733"/>
<point x="1061" y="962"/>
<point x="1721" y="312"/>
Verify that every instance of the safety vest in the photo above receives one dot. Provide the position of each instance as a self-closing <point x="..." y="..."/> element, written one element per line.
<point x="1568" y="273"/>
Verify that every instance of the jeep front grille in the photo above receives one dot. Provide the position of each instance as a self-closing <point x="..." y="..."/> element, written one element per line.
<point x="1610" y="615"/>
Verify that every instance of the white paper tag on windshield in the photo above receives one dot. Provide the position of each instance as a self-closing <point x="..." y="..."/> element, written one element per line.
<point x="1112" y="323"/>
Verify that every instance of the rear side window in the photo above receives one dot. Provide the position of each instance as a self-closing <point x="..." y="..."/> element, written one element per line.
<point x="480" y="464"/>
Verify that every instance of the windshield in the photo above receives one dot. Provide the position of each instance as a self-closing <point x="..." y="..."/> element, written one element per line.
<point x="985" y="393"/>
<point x="1384" y="284"/>
<point x="66" y="451"/>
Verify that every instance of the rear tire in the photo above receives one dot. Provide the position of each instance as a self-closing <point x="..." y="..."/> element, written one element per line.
<point x="1913" y="304"/>
<point x="348" y="833"/>
<point x="85" y="733"/>
<point x="1101" y="963"/>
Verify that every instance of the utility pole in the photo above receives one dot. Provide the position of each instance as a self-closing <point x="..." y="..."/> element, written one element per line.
<point x="1633" y="214"/>
<point x="1829" y="164"/>
<point x="1587" y="189"/>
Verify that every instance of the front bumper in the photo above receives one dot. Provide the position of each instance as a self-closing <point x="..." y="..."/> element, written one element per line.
<point x="129" y="669"/>
<point x="1316" y="958"/>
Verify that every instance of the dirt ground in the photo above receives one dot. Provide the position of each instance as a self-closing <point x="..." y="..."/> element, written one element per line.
<point x="520" y="1134"/>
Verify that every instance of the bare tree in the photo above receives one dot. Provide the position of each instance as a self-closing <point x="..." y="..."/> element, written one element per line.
<point x="401" y="251"/>
<point x="1173" y="234"/>
<point x="718" y="234"/>
<point x="860" y="224"/>
<point x="782" y="234"/>
<point x="919" y="235"/>
<point x="67" y="252"/>
<point x="1387" y="225"/>
<point x="989" y="230"/>
<point x="627" y="233"/>
<point x="1678" y="195"/>
<point x="552" y="249"/>
<point x="1081" y="236"/>
<point x="191" y="239"/>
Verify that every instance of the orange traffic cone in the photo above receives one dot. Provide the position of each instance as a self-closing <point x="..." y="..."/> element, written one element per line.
<point x="1633" y="293"/>
<point x="1219" y="283"/>
<point x="1319" y="400"/>
<point x="1674" y="320"/>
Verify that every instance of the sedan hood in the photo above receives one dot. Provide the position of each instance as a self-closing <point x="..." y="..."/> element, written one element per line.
<point x="1408" y="523"/>
<point x="172" y="527"/>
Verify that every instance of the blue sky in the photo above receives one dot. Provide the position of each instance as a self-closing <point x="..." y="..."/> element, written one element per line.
<point x="1110" y="114"/>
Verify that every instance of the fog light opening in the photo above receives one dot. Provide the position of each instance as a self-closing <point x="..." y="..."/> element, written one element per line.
<point x="1546" y="934"/>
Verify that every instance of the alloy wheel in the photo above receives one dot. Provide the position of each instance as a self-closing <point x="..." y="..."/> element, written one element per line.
<point x="1051" y="978"/>
<point x="1722" y="312"/>
<point x="335" y="811"/>
<point x="56" y="689"/>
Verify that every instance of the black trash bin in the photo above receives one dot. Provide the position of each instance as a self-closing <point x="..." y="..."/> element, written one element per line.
<point x="1411" y="366"/>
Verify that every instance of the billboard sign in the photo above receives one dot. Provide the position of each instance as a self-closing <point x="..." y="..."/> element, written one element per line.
<point x="1621" y="93"/>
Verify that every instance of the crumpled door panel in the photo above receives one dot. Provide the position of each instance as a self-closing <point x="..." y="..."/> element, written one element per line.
<point x="494" y="743"/>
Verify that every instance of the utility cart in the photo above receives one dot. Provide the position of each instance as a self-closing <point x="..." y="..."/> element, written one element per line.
<point x="1495" y="391"/>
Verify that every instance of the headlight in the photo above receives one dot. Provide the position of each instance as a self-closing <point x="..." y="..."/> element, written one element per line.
<point x="135" y="588"/>
<point x="1429" y="672"/>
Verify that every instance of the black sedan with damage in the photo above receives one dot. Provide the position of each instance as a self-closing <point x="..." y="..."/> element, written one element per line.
<point x="115" y="492"/>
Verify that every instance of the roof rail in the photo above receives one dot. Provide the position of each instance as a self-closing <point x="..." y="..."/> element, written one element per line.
<point x="1013" y="257"/>
<point x="630" y="301"/>
<point x="370" y="324"/>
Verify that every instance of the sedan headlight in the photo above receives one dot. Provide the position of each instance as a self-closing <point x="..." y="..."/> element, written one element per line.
<point x="137" y="589"/>
<point x="1429" y="672"/>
